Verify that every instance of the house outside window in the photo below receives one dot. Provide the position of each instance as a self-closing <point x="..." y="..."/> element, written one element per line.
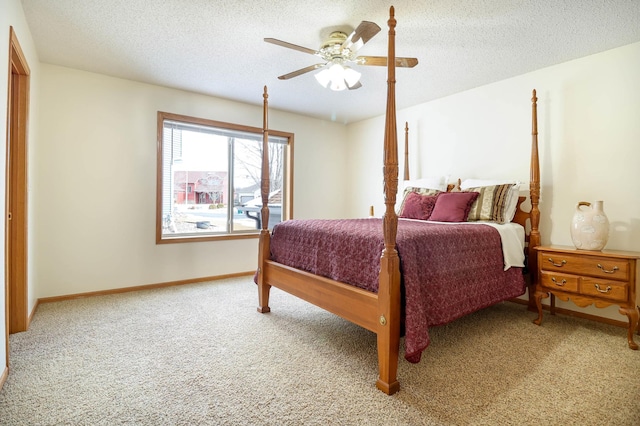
<point x="209" y="179"/>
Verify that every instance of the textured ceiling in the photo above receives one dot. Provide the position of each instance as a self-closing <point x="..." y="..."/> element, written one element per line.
<point x="217" y="48"/>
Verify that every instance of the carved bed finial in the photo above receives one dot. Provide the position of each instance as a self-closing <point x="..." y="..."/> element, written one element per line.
<point x="535" y="174"/>
<point x="265" y="236"/>
<point x="265" y="184"/>
<point x="534" y="195"/>
<point x="389" y="280"/>
<point x="406" y="150"/>
<point x="390" y="168"/>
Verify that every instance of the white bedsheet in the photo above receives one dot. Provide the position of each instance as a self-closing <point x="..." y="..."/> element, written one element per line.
<point x="512" y="236"/>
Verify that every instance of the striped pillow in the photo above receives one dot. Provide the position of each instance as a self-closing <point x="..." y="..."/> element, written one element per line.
<point x="492" y="203"/>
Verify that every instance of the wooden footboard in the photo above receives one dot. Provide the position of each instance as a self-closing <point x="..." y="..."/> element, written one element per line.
<point x="352" y="303"/>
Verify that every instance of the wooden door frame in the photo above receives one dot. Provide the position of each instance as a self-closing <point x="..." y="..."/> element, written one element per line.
<point x="16" y="289"/>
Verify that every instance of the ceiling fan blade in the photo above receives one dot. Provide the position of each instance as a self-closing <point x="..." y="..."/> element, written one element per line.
<point x="365" y="31"/>
<point x="362" y="34"/>
<point x="355" y="86"/>
<point x="301" y="71"/>
<point x="291" y="46"/>
<point x="382" y="61"/>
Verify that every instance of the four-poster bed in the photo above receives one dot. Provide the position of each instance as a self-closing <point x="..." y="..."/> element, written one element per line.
<point x="388" y="302"/>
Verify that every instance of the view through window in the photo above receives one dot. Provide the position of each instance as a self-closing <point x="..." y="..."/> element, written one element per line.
<point x="209" y="178"/>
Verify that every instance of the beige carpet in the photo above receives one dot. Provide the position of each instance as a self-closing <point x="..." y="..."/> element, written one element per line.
<point x="201" y="355"/>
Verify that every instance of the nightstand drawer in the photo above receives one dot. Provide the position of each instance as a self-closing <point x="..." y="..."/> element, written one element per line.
<point x="612" y="269"/>
<point x="604" y="289"/>
<point x="556" y="281"/>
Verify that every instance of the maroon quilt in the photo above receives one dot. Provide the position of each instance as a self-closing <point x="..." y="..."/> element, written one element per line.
<point x="448" y="271"/>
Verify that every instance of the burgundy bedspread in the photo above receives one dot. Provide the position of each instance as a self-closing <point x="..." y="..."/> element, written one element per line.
<point x="448" y="271"/>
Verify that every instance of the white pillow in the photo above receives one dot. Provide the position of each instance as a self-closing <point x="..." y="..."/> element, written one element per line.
<point x="475" y="183"/>
<point x="437" y="183"/>
<point x="510" y="209"/>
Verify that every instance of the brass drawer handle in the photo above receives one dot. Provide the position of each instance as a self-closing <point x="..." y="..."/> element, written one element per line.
<point x="602" y="291"/>
<point x="559" y="265"/>
<point x="611" y="271"/>
<point x="561" y="283"/>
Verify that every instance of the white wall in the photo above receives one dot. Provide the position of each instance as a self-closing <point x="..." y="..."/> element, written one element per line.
<point x="589" y="137"/>
<point x="11" y="15"/>
<point x="94" y="181"/>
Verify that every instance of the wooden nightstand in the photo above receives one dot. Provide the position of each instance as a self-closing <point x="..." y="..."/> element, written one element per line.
<point x="601" y="278"/>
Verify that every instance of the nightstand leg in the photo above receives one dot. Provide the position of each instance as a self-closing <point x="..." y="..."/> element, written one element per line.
<point x="632" y="314"/>
<point x="538" y="296"/>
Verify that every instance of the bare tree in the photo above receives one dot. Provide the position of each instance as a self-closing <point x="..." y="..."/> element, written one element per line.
<point x="249" y="156"/>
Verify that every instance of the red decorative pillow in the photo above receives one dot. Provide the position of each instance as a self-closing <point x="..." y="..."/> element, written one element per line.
<point x="453" y="206"/>
<point x="418" y="206"/>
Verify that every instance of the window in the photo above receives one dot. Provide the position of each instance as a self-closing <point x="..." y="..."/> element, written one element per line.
<point x="209" y="179"/>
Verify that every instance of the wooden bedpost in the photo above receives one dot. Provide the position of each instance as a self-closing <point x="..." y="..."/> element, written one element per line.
<point x="406" y="150"/>
<point x="389" y="284"/>
<point x="534" y="194"/>
<point x="265" y="236"/>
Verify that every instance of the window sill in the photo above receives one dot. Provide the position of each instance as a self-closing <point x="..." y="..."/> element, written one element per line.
<point x="199" y="238"/>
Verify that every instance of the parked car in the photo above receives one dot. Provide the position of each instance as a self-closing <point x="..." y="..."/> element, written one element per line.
<point x="242" y="199"/>
<point x="252" y="209"/>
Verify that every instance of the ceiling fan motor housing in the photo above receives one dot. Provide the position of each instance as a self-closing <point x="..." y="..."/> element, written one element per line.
<point x="332" y="48"/>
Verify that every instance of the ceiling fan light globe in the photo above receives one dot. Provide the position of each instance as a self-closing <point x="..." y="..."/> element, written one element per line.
<point x="351" y="76"/>
<point x="323" y="77"/>
<point x="338" y="85"/>
<point x="338" y="74"/>
<point x="336" y="71"/>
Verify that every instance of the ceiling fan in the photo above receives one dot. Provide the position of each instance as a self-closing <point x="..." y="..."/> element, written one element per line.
<point x="337" y="52"/>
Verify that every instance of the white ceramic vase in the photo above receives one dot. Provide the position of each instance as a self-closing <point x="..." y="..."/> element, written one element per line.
<point x="590" y="226"/>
